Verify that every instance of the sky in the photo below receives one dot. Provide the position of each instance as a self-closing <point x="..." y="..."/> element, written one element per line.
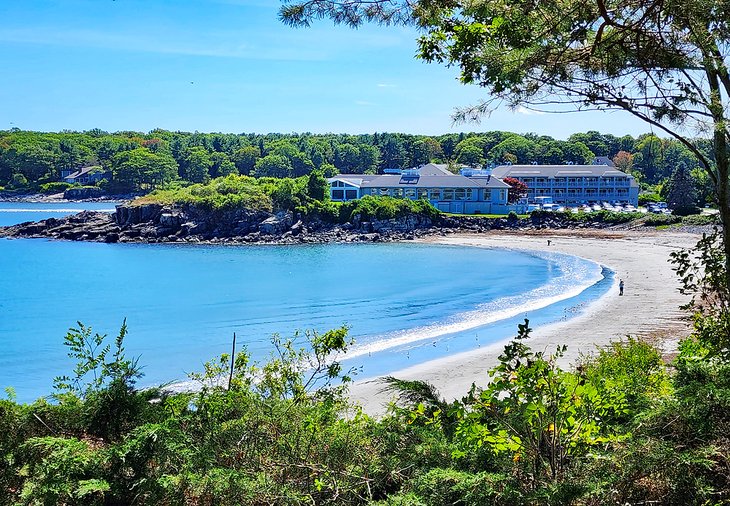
<point x="232" y="66"/>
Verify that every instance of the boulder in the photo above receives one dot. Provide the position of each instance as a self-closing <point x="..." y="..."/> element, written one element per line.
<point x="277" y="224"/>
<point x="170" y="220"/>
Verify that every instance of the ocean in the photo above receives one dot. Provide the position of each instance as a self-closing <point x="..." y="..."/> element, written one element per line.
<point x="404" y="303"/>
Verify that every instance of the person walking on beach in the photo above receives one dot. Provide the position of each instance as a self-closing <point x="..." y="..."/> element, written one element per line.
<point x="621" y="287"/>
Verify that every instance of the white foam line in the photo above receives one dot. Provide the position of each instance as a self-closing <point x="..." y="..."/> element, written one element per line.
<point x="487" y="313"/>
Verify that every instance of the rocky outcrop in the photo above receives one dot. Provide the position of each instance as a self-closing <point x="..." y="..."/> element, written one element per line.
<point x="83" y="193"/>
<point x="158" y="223"/>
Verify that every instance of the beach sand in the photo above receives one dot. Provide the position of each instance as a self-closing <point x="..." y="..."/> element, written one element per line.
<point x="648" y="309"/>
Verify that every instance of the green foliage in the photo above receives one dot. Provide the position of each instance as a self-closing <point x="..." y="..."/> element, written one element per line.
<point x="632" y="368"/>
<point x="385" y="208"/>
<point x="702" y="272"/>
<point x="317" y="186"/>
<point x="97" y="365"/>
<point x="58" y="471"/>
<point x="230" y="192"/>
<point x="449" y="486"/>
<point x="18" y="181"/>
<point x="55" y="187"/>
<point x="648" y="198"/>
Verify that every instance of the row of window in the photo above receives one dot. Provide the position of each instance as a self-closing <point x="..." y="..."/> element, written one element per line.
<point x="340" y="184"/>
<point x="587" y="191"/>
<point x="586" y="181"/>
<point x="425" y="193"/>
<point x="344" y="194"/>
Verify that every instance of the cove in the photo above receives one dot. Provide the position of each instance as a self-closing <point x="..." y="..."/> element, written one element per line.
<point x="404" y="303"/>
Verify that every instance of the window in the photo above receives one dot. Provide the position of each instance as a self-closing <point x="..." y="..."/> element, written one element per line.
<point x="448" y="194"/>
<point x="384" y="191"/>
<point x="423" y="193"/>
<point x="398" y="192"/>
<point x="337" y="194"/>
<point x="350" y="194"/>
<point x="410" y="193"/>
<point x="460" y="194"/>
<point x="435" y="194"/>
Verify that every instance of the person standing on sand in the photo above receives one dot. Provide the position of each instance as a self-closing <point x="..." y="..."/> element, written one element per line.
<point x="621" y="287"/>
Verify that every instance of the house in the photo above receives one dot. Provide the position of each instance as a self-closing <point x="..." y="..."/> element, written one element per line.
<point x="603" y="160"/>
<point x="481" y="193"/>
<point x="574" y="184"/>
<point x="86" y="175"/>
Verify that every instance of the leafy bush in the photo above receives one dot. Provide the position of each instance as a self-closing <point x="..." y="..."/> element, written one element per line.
<point x="449" y="486"/>
<point x="648" y="198"/>
<point x="55" y="187"/>
<point x="657" y="220"/>
<point x="230" y="192"/>
<point x="701" y="219"/>
<point x="385" y="208"/>
<point x="18" y="181"/>
<point x="632" y="368"/>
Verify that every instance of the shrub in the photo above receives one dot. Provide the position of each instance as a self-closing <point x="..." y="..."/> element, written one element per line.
<point x="648" y="198"/>
<point x="632" y="368"/>
<point x="223" y="193"/>
<point x="18" y="181"/>
<point x="656" y="220"/>
<point x="448" y="486"/>
<point x="385" y="208"/>
<point x="55" y="187"/>
<point x="701" y="219"/>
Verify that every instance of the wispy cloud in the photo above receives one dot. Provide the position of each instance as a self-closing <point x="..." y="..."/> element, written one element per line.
<point x="171" y="43"/>
<point x="528" y="112"/>
<point x="384" y="85"/>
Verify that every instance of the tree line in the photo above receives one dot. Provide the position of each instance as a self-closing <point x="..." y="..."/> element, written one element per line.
<point x="144" y="161"/>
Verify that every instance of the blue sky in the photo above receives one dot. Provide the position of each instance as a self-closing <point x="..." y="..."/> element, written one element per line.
<point x="231" y="66"/>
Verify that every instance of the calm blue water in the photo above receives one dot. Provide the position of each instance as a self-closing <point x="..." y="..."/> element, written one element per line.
<point x="404" y="303"/>
<point x="12" y="213"/>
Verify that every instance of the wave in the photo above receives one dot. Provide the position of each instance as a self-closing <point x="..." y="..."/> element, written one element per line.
<point x="576" y="275"/>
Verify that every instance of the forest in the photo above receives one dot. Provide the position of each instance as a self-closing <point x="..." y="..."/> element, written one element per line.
<point x="139" y="162"/>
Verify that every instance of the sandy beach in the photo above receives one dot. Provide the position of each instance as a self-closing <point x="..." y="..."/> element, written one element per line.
<point x="648" y="309"/>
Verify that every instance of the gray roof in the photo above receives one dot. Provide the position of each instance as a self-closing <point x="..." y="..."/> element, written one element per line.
<point x="84" y="170"/>
<point x="603" y="160"/>
<point x="551" y="171"/>
<point x="354" y="179"/>
<point x="450" y="181"/>
<point x="435" y="169"/>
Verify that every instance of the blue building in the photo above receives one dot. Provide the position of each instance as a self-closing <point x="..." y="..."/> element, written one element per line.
<point x="574" y="184"/>
<point x="471" y="192"/>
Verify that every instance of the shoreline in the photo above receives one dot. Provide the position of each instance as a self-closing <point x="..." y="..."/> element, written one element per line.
<point x="649" y="308"/>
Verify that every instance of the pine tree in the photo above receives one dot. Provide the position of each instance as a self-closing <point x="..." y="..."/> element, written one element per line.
<point x="681" y="194"/>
